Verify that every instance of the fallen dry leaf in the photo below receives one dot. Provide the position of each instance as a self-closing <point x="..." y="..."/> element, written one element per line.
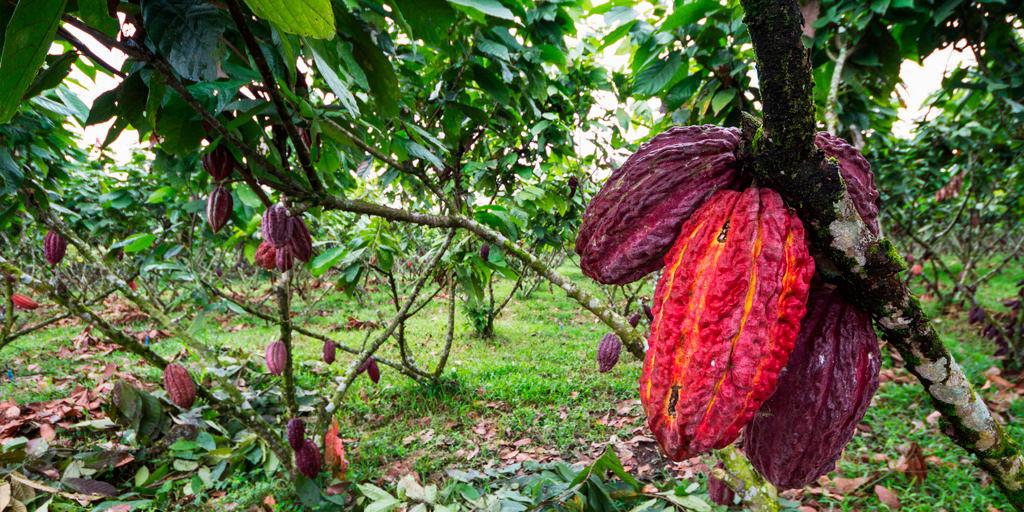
<point x="887" y="497"/>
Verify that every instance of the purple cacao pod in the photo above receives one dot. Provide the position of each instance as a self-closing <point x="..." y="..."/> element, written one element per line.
<point x="856" y="172"/>
<point x="649" y="312"/>
<point x="54" y="247"/>
<point x="636" y="216"/>
<point x="574" y="183"/>
<point x="608" y="352"/>
<point x="283" y="259"/>
<point x="330" y="350"/>
<point x="218" y="208"/>
<point x="634" y="319"/>
<point x="307" y="459"/>
<point x="720" y="493"/>
<point x="277" y="355"/>
<point x="371" y="369"/>
<point x="485" y="251"/>
<point x="822" y="394"/>
<point x="219" y="163"/>
<point x="179" y="386"/>
<point x="301" y="242"/>
<point x="296" y="433"/>
<point x="277" y="226"/>
<point x="266" y="256"/>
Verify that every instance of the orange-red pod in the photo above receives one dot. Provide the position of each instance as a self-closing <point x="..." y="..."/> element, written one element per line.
<point x="727" y="310"/>
<point x="23" y="302"/>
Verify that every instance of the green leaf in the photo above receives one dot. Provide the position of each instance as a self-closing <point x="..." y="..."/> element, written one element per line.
<point x="26" y="42"/>
<point x="429" y="19"/>
<point x="136" y="243"/>
<point x="379" y="72"/>
<point x="308" y="491"/>
<point x="417" y="151"/>
<point x="327" y="62"/>
<point x="689" y="12"/>
<point x="325" y="260"/>
<point x="141" y="476"/>
<point x="487" y="7"/>
<point x="180" y="128"/>
<point x="248" y="197"/>
<point x="188" y="33"/>
<point x="160" y="195"/>
<point x="52" y="76"/>
<point x="721" y="99"/>
<point x="313" y="18"/>
<point x="658" y="75"/>
<point x="95" y="14"/>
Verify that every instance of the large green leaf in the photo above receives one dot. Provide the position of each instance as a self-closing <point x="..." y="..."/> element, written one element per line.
<point x="26" y="42"/>
<point x="660" y="74"/>
<point x="187" y="33"/>
<point x="429" y="19"/>
<point x="312" y="18"/>
<point x="488" y="7"/>
<point x="380" y="74"/>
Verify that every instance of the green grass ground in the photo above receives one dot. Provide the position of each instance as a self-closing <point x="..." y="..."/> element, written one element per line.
<point x="533" y="391"/>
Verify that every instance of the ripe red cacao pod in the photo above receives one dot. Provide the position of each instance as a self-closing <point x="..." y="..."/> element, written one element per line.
<point x="277" y="226"/>
<point x="283" y="259"/>
<point x="23" y="302"/>
<point x="330" y="350"/>
<point x="301" y="241"/>
<point x="371" y="369"/>
<point x="307" y="459"/>
<point x="720" y="493"/>
<point x="132" y="285"/>
<point x="277" y="355"/>
<point x="219" y="163"/>
<point x="179" y="386"/>
<point x="726" y="314"/>
<point x="632" y="221"/>
<point x="608" y="352"/>
<point x="54" y="247"/>
<point x="856" y="172"/>
<point x="218" y="208"/>
<point x="266" y="256"/>
<point x="296" y="433"/>
<point x="822" y="395"/>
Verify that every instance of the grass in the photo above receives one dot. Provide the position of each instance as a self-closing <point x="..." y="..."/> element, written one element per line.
<point x="537" y="380"/>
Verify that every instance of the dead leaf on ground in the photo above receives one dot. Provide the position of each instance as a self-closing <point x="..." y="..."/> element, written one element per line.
<point x="887" y="497"/>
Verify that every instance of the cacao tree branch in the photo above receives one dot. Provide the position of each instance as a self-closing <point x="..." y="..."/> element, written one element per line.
<point x="831" y="117"/>
<point x="283" y="292"/>
<point x="865" y="266"/>
<point x="9" y="337"/>
<point x="450" y="336"/>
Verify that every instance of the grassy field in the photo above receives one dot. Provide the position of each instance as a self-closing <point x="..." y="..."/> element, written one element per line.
<point x="533" y="393"/>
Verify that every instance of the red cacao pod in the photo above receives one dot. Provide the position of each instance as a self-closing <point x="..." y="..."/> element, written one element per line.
<point x="608" y="352"/>
<point x="277" y="226"/>
<point x="296" y="433"/>
<point x="218" y="208"/>
<point x="633" y="220"/>
<point x="132" y="285"/>
<point x="54" y="247"/>
<point x="330" y="350"/>
<point x="219" y="163"/>
<point x="179" y="386"/>
<point x="371" y="369"/>
<point x="917" y="269"/>
<point x="266" y="256"/>
<point x="726" y="314"/>
<point x="856" y="172"/>
<point x="720" y="493"/>
<point x="277" y="355"/>
<point x="307" y="459"/>
<point x="301" y="242"/>
<point x="23" y="302"/>
<point x="822" y="395"/>
<point x="283" y="259"/>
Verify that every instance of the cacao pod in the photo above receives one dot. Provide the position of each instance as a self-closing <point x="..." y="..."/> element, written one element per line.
<point x="371" y="369"/>
<point x="330" y="350"/>
<point x="720" y="493"/>
<point x="218" y="208"/>
<point x="632" y="221"/>
<point x="648" y="312"/>
<point x="485" y="251"/>
<point x="917" y="269"/>
<point x="856" y="172"/>
<point x="302" y="243"/>
<point x="54" y="247"/>
<point x="727" y="310"/>
<point x="822" y="394"/>
<point x="23" y="302"/>
<point x="132" y="285"/>
<point x="277" y="355"/>
<point x="608" y="352"/>
<point x="219" y="163"/>
<point x="277" y="226"/>
<point x="266" y="256"/>
<point x="179" y="386"/>
<point x="634" y="319"/>
<point x="574" y="183"/>
<point x="296" y="433"/>
<point x="283" y="258"/>
<point x="307" y="459"/>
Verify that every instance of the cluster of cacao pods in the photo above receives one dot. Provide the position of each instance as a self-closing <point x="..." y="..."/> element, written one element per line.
<point x="307" y="455"/>
<point x="372" y="370"/>
<point x="742" y="338"/>
<point x="219" y="163"/>
<point x="285" y="238"/>
<point x="179" y="385"/>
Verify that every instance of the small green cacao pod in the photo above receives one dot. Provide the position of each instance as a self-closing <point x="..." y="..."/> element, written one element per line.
<point x="330" y="350"/>
<point x="219" y="163"/>
<point x="266" y="256"/>
<point x="179" y="386"/>
<point x="54" y="247"/>
<point x="218" y="208"/>
<point x="608" y="352"/>
<point x="307" y="459"/>
<point x="277" y="226"/>
<point x="296" y="433"/>
<point x="301" y="241"/>
<point x="277" y="355"/>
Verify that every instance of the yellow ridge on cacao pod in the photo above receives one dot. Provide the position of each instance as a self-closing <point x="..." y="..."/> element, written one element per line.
<point x="727" y="310"/>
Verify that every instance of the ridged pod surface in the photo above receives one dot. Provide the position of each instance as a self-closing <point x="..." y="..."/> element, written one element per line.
<point x="277" y="226"/>
<point x="329" y="352"/>
<point x="371" y="369"/>
<point x="283" y="259"/>
<point x="218" y="208"/>
<point x="726" y="314"/>
<point x="54" y="247"/>
<point x="23" y="302"/>
<point x="632" y="221"/>
<point x="277" y="355"/>
<point x="266" y="256"/>
<point x="856" y="172"/>
<point x="179" y="386"/>
<point x="296" y="433"/>
<point x="307" y="459"/>
<point x="219" y="163"/>
<point x="608" y="352"/>
<point x="301" y="241"/>
<point x="720" y="493"/>
<point x="822" y="395"/>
